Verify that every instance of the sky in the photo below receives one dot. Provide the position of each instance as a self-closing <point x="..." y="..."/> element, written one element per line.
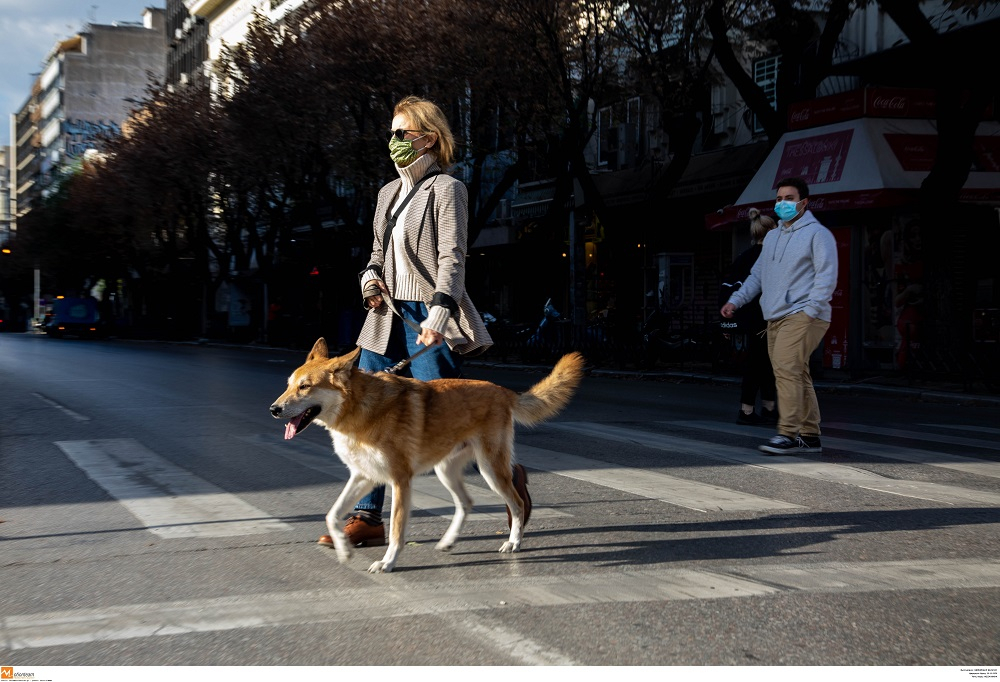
<point x="30" y="28"/>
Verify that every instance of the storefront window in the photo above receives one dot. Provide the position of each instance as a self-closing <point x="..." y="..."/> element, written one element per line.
<point x="893" y="291"/>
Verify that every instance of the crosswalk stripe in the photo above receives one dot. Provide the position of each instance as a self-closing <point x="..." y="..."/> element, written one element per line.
<point x="965" y="427"/>
<point x="428" y="494"/>
<point x="169" y="500"/>
<point x="969" y="465"/>
<point x="991" y="444"/>
<point x="834" y="473"/>
<point x="654" y="485"/>
<point x="384" y="600"/>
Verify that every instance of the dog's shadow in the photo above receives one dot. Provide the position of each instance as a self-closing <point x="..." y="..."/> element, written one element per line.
<point x="612" y="553"/>
<point x="608" y="546"/>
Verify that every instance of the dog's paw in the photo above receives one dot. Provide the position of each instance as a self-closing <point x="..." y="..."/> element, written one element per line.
<point x="444" y="545"/>
<point x="380" y="567"/>
<point x="509" y="547"/>
<point x="344" y="555"/>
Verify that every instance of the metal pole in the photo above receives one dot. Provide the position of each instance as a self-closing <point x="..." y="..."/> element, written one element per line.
<point x="38" y="295"/>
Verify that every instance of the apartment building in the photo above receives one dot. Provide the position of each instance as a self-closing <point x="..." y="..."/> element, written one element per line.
<point x="229" y="20"/>
<point x="5" y="203"/>
<point x="187" y="44"/>
<point x="88" y="86"/>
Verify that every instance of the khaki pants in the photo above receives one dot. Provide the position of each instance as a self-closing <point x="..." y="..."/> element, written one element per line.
<point x="790" y="342"/>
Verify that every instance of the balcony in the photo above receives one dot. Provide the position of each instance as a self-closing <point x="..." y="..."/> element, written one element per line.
<point x="206" y="8"/>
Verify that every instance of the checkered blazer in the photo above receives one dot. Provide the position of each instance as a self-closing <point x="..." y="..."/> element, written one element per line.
<point x="436" y="234"/>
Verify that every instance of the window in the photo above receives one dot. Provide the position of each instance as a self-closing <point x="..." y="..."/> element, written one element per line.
<point x="618" y="129"/>
<point x="603" y="125"/>
<point x="765" y="74"/>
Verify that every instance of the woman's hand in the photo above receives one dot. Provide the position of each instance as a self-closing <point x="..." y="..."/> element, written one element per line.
<point x="376" y="300"/>
<point x="429" y="337"/>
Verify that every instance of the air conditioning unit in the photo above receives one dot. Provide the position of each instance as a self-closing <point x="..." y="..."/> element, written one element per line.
<point x="503" y="212"/>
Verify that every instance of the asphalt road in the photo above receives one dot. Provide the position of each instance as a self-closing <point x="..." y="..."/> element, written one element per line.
<point x="152" y="514"/>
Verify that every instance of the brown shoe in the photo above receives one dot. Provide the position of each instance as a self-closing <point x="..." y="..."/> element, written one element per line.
<point x="359" y="533"/>
<point x="521" y="485"/>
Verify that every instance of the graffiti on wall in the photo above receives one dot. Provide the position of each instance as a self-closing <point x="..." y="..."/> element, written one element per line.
<point x="82" y="135"/>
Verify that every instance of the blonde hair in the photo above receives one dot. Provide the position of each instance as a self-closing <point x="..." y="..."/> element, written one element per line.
<point x="427" y="117"/>
<point x="760" y="225"/>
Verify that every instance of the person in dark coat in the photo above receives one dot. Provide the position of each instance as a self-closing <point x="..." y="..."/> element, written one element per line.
<point x="758" y="377"/>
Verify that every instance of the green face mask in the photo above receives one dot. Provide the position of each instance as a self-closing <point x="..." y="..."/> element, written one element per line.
<point x="402" y="152"/>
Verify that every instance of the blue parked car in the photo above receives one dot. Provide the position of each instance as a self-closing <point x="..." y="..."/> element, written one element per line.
<point x="74" y="317"/>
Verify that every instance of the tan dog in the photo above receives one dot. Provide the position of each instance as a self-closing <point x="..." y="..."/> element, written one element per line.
<point x="387" y="429"/>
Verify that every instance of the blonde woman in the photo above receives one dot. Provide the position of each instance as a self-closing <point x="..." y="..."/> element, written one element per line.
<point x="414" y="284"/>
<point x="758" y="377"/>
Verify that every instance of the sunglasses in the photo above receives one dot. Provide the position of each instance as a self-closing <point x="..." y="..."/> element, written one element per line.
<point x="400" y="133"/>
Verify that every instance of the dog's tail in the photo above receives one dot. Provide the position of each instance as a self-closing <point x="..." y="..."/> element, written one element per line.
<point x="550" y="395"/>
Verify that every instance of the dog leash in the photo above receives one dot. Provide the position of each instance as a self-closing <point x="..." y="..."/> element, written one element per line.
<point x="403" y="363"/>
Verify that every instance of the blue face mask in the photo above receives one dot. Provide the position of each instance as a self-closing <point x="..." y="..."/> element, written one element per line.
<point x="786" y="210"/>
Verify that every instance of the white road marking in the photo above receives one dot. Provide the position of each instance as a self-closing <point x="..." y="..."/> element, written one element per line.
<point x="428" y="494"/>
<point x="990" y="444"/>
<point x="62" y="408"/>
<point x="965" y="427"/>
<point x="654" y="485"/>
<point x="968" y="465"/>
<point x="796" y="466"/>
<point x="510" y="642"/>
<point x="168" y="500"/>
<point x="383" y="601"/>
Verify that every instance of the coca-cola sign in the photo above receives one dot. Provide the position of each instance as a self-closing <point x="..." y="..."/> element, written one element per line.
<point x="874" y="102"/>
<point x="899" y="103"/>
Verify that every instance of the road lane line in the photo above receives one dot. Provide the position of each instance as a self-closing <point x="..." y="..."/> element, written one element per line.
<point x="510" y="642"/>
<point x="795" y="466"/>
<point x="62" y="408"/>
<point x="383" y="600"/>
<point x="170" y="501"/>
<point x="968" y="465"/>
<point x="654" y="485"/>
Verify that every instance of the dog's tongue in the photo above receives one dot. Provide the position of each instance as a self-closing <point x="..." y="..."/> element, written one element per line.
<point x="292" y="427"/>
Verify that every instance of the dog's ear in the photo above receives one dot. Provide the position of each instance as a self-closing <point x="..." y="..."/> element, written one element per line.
<point x="319" y="351"/>
<point x="341" y="367"/>
<point x="351" y="359"/>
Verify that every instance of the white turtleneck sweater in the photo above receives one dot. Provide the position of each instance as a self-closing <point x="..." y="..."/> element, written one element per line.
<point x="437" y="316"/>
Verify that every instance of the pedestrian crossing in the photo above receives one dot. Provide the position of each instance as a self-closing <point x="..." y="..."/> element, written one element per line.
<point x="913" y="455"/>
<point x="168" y="500"/>
<point x="173" y="503"/>
<point x="176" y="504"/>
<point x="797" y="466"/>
<point x="364" y="607"/>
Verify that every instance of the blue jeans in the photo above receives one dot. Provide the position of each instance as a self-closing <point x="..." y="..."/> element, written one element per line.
<point x="437" y="363"/>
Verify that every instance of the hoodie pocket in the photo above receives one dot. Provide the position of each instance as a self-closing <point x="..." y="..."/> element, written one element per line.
<point x="796" y="295"/>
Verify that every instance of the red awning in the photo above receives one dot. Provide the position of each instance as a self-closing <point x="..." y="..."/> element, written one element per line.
<point x="864" y="163"/>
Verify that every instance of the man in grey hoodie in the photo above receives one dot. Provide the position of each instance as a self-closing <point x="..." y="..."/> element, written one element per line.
<point x="795" y="275"/>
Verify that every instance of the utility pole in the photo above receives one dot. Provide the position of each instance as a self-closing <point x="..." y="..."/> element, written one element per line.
<point x="38" y="294"/>
<point x="577" y="269"/>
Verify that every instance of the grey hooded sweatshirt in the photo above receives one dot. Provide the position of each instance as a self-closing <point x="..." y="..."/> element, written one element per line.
<point x="796" y="271"/>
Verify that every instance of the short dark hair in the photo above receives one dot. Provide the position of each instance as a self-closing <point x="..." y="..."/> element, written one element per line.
<point x="797" y="183"/>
